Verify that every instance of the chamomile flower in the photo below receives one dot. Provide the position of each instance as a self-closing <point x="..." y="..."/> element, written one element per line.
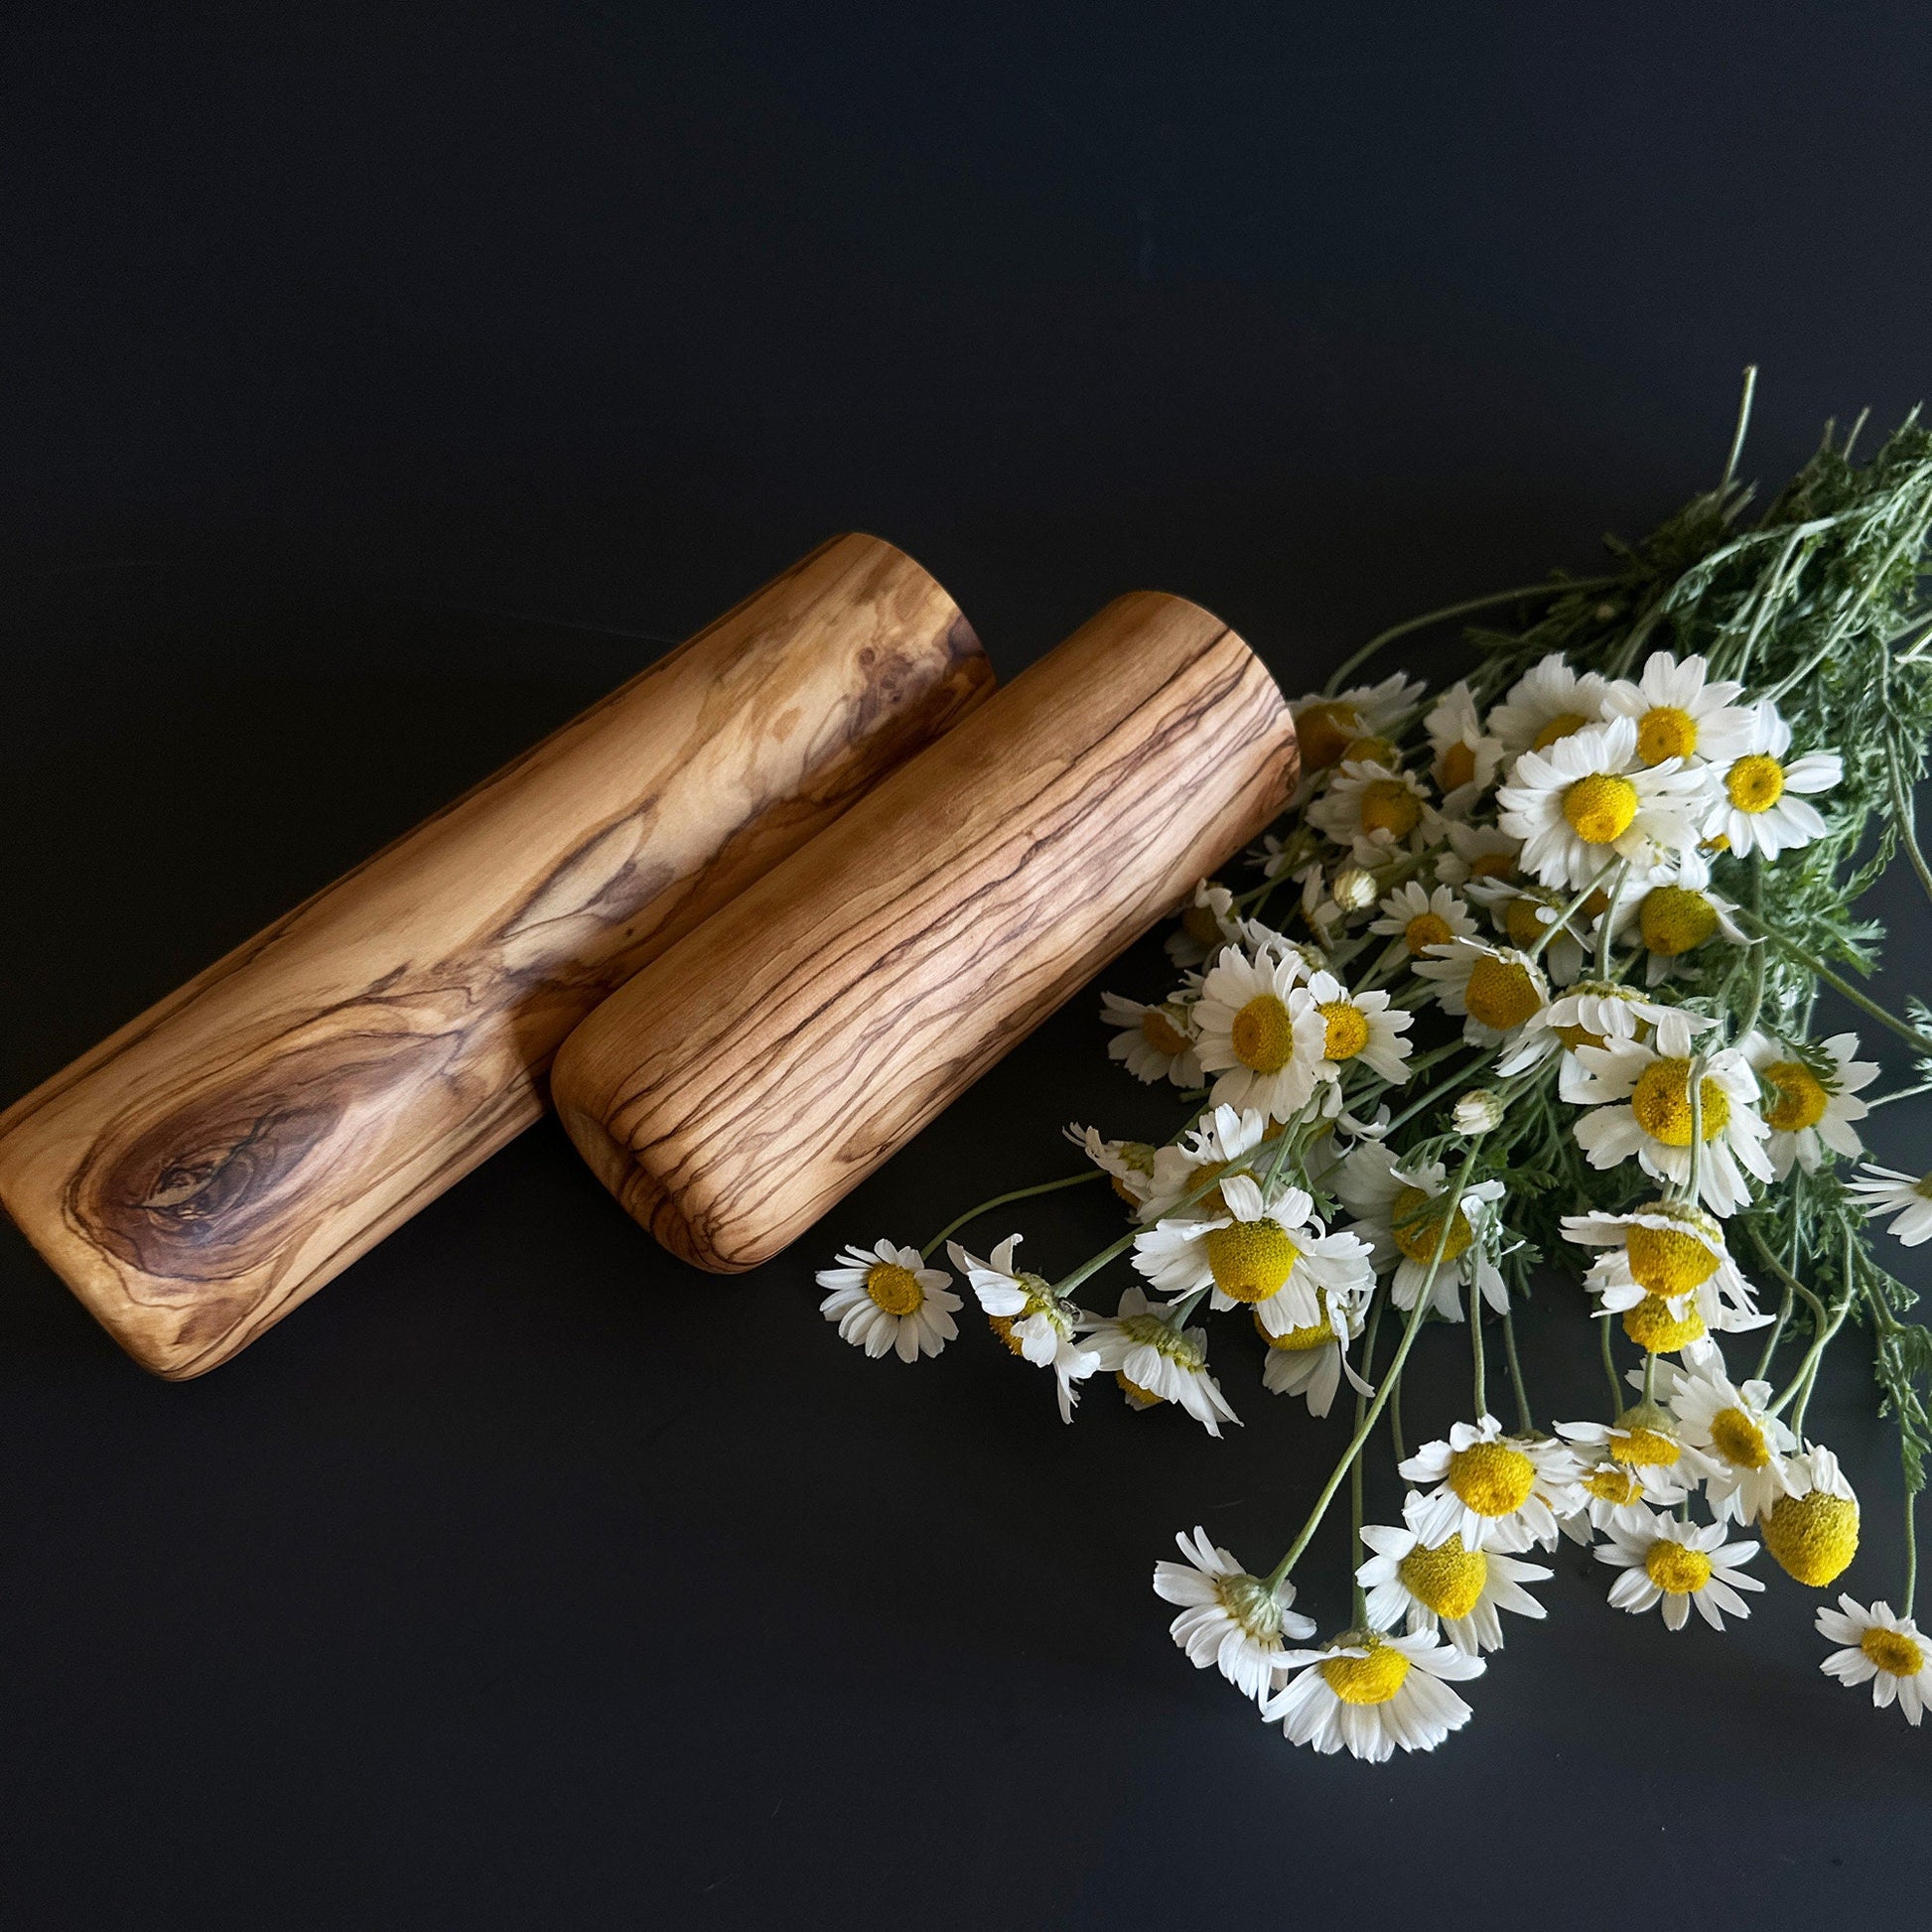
<point x="1881" y="1649"/>
<point x="1129" y="1165"/>
<point x="1548" y="703"/>
<point x="1639" y="1103"/>
<point x="1354" y="1026"/>
<point x="1494" y="989"/>
<point x="1026" y="1313"/>
<point x="1155" y="1043"/>
<point x="1643" y="1439"/>
<point x="1812" y="1097"/>
<point x="1367" y="1692"/>
<point x="1581" y="805"/>
<point x="1505" y="1492"/>
<point x="1457" y="1587"/>
<point x="1763" y="801"/>
<point x="1615" y="1495"/>
<point x="1327" y="727"/>
<point x="1676" y="916"/>
<point x="1207" y="923"/>
<point x="1463" y="758"/>
<point x="887" y="1301"/>
<point x="1812" y="1530"/>
<point x="1228" y="1618"/>
<point x="1885" y="1191"/>
<point x="1666" y="1272"/>
<point x="1270" y="1252"/>
<point x="1375" y="812"/>
<point x="1745" y="1446"/>
<point x="1479" y="857"/>
<point x="1309" y="1361"/>
<point x="1680" y="713"/>
<point x="1592" y="1013"/>
<point x="1260" y="1053"/>
<point x="1402" y="1210"/>
<point x="1154" y="1361"/>
<point x="1541" y="919"/>
<point x="1678" y="1564"/>
<point x="1421" y="917"/>
<point x="1201" y="1154"/>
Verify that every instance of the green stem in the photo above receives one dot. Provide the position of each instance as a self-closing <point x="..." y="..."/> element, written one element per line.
<point x="1562" y="588"/>
<point x="1359" y="1619"/>
<point x="1475" y="1346"/>
<point x="1911" y="1533"/>
<point x="1816" y="966"/>
<point x="999" y="1200"/>
<point x="1525" y="1418"/>
<point x="1902" y="812"/>
<point x="1737" y="435"/>
<point x="1609" y="1366"/>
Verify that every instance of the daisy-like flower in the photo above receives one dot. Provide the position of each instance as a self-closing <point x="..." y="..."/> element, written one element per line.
<point x="1155" y="1043"/>
<point x="1745" y="1446"/>
<point x="1643" y="1439"/>
<point x="1354" y="1026"/>
<point x="1368" y="1693"/>
<point x="1400" y="1211"/>
<point x="1814" y="1097"/>
<point x="1666" y="1272"/>
<point x="1454" y="1585"/>
<point x="1525" y="914"/>
<point x="1309" y="1361"/>
<point x="1422" y="917"/>
<point x="1271" y="1253"/>
<point x="1375" y="812"/>
<point x="1881" y="1649"/>
<point x="1129" y="1165"/>
<point x="1813" y="1528"/>
<point x="1228" y="1618"/>
<point x="1639" y="1103"/>
<point x="1614" y="1495"/>
<point x="1463" y="758"/>
<point x="1327" y="728"/>
<point x="1593" y="1013"/>
<point x="1025" y="1313"/>
<point x="1678" y="1564"/>
<point x="1763" y="801"/>
<point x="1885" y="1191"/>
<point x="1583" y="804"/>
<point x="1478" y="858"/>
<point x="1679" y="713"/>
<point x="1495" y="988"/>
<point x="1153" y="1363"/>
<point x="1261" y="1054"/>
<point x="1201" y="1154"/>
<point x="1676" y="918"/>
<point x="886" y="1299"/>
<point x="1501" y="1491"/>
<point x="1548" y="703"/>
<point x="1207" y="923"/>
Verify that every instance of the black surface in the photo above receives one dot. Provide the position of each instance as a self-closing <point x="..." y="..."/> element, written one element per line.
<point x="525" y="1577"/>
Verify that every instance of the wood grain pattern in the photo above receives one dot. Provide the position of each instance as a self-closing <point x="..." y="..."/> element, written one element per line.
<point x="765" y="1065"/>
<point x="222" y="1157"/>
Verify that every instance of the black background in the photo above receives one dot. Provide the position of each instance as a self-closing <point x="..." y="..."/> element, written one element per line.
<point x="380" y="385"/>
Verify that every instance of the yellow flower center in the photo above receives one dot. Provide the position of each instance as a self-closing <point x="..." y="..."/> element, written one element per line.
<point x="1347" y="1030"/>
<point x="1318" y="1335"/>
<point x="1134" y="1389"/>
<point x="1892" y="1651"/>
<point x="1524" y="916"/>
<point x="1813" y="1536"/>
<point x="1160" y="1032"/>
<point x="1250" y="1260"/>
<point x="1426" y="930"/>
<point x="1448" y="1579"/>
<point x="1667" y="1263"/>
<point x="1613" y="1486"/>
<point x="1576" y="1037"/>
<point x="1201" y="925"/>
<point x="1677" y="1568"/>
<point x="1371" y="750"/>
<point x="1457" y="765"/>
<point x="1674" y="920"/>
<point x="1373" y="1679"/>
<point x="1501" y="994"/>
<point x="1388" y="805"/>
<point x="1326" y="731"/>
<point x="1492" y="865"/>
<point x="1002" y="1325"/>
<point x="1639" y="1443"/>
<point x="1662" y="1103"/>
<point x="1736" y="1437"/>
<point x="1755" y="783"/>
<point x="1491" y="1477"/>
<point x="1652" y="1327"/>
<point x="1600" y="808"/>
<point x="1561" y="726"/>
<point x="897" y="1289"/>
<point x="1416" y="1222"/>
<point x="1801" y="1100"/>
<point x="1666" y="732"/>
<point x="1263" y="1035"/>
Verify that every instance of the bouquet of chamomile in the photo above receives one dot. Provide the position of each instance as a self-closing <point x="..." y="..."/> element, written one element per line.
<point x="1529" y="977"/>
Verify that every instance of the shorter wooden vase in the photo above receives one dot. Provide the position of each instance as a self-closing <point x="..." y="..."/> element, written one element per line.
<point x="761" y="1068"/>
<point x="224" y="1154"/>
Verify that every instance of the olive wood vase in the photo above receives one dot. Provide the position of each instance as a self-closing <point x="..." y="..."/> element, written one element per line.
<point x="222" y="1157"/>
<point x="762" y="1067"/>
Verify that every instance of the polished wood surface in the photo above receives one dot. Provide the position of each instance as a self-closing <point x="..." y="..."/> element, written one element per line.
<point x="222" y="1157"/>
<point x="765" y="1065"/>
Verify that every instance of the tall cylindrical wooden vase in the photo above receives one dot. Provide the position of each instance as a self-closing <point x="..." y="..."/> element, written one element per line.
<point x="220" y="1158"/>
<point x="767" y="1062"/>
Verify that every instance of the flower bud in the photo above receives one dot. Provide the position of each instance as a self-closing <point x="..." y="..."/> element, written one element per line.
<point x="1354" y="889"/>
<point x="1479" y="1111"/>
